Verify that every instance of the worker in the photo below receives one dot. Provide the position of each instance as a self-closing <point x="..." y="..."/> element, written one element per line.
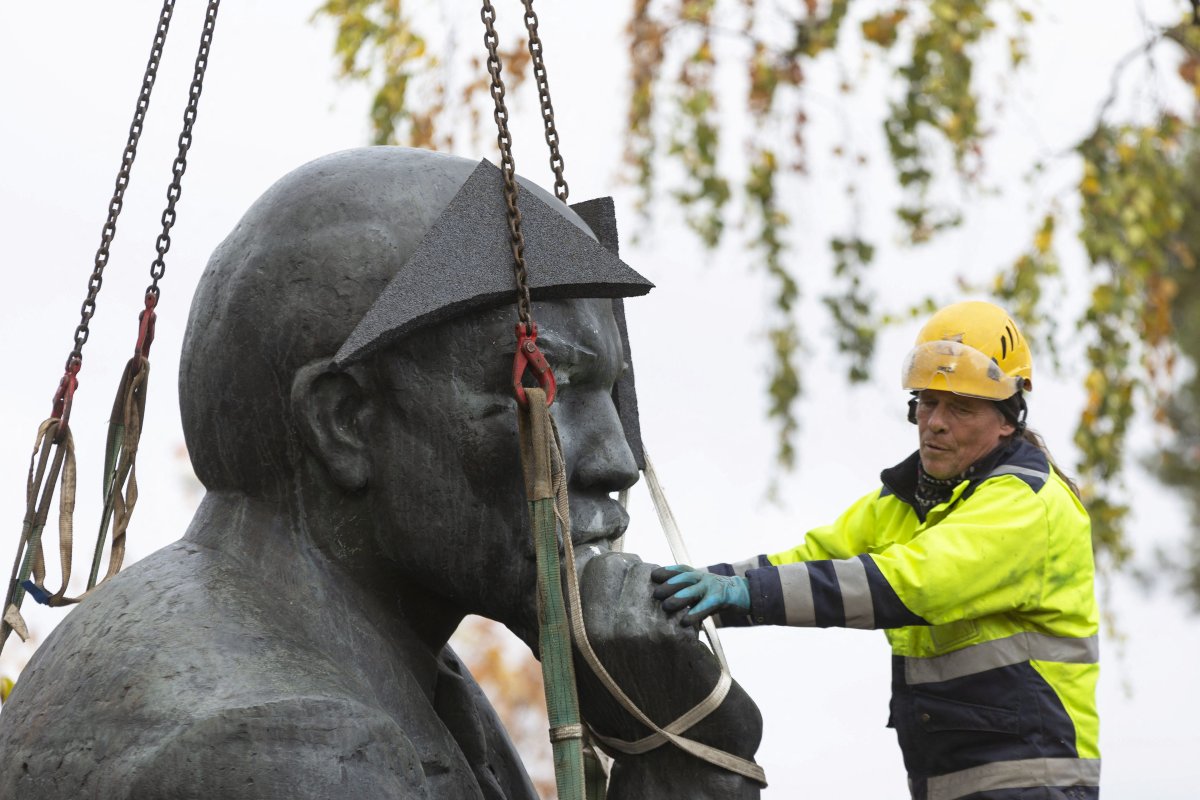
<point x="975" y="558"/>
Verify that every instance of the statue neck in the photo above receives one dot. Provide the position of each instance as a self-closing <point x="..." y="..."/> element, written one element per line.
<point x="342" y="608"/>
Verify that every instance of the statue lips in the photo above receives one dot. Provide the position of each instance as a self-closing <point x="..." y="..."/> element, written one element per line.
<point x="597" y="521"/>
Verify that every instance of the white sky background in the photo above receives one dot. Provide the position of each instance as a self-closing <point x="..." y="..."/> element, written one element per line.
<point x="68" y="78"/>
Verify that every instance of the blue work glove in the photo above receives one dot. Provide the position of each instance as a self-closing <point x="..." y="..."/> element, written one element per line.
<point x="681" y="586"/>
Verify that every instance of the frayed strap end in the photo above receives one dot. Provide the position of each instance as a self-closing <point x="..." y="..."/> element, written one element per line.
<point x="15" y="621"/>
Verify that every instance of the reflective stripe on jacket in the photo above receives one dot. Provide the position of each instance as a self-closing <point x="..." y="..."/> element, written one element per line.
<point x="989" y="605"/>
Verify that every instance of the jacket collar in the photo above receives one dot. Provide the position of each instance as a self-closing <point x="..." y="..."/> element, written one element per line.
<point x="901" y="480"/>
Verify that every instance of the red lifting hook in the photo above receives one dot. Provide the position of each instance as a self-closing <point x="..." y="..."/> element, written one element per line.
<point x="529" y="356"/>
<point x="146" y="321"/>
<point x="65" y="394"/>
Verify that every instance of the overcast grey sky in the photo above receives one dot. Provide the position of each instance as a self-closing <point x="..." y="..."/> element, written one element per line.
<point x="68" y="78"/>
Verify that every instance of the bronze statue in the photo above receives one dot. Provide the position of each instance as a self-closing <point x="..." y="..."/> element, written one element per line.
<point x="346" y="396"/>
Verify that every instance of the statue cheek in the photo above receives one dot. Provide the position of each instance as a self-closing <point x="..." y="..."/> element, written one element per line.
<point x="490" y="460"/>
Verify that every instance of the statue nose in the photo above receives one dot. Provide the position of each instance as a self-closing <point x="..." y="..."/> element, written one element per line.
<point x="594" y="445"/>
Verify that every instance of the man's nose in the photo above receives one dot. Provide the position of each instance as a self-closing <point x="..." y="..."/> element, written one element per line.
<point x="937" y="418"/>
<point x="594" y="446"/>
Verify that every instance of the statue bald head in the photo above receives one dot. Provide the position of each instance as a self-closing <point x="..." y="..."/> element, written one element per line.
<point x="287" y="286"/>
<point x="324" y="260"/>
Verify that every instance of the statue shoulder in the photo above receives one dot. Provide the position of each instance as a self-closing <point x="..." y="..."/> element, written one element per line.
<point x="478" y="730"/>
<point x="290" y="749"/>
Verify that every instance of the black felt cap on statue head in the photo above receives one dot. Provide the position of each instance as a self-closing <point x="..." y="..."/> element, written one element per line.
<point x="600" y="215"/>
<point x="347" y="254"/>
<point x="464" y="264"/>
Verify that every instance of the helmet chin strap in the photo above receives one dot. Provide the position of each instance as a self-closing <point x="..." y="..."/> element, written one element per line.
<point x="1015" y="410"/>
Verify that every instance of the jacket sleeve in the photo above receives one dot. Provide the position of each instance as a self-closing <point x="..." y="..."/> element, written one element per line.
<point x="986" y="556"/>
<point x="851" y="533"/>
<point x="855" y="531"/>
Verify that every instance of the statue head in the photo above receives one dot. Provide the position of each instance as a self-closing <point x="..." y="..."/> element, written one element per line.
<point x="348" y="358"/>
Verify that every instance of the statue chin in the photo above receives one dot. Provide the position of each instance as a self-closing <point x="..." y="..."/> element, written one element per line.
<point x="666" y="670"/>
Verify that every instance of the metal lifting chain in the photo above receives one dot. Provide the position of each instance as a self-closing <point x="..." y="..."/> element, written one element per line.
<point x="118" y="199"/>
<point x="539" y="452"/>
<point x="507" y="167"/>
<point x="129" y="407"/>
<point x="504" y="139"/>
<point x="543" y="85"/>
<point x="576" y="776"/>
<point x="163" y="244"/>
<point x="54" y="434"/>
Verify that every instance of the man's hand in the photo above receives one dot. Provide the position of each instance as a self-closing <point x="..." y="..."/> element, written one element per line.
<point x="680" y="586"/>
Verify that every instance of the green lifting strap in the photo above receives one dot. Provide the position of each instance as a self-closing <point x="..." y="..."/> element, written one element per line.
<point x="554" y="639"/>
<point x="545" y="482"/>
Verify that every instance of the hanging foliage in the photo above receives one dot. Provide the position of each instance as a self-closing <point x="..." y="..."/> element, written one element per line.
<point x="720" y="98"/>
<point x="1178" y="462"/>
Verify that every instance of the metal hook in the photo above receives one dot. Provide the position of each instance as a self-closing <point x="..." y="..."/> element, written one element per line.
<point x="529" y="356"/>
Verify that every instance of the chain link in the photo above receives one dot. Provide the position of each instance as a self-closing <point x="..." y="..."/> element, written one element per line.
<point x="507" y="166"/>
<point x="504" y="139"/>
<point x="543" y="85"/>
<point x="88" y="309"/>
<point x="158" y="268"/>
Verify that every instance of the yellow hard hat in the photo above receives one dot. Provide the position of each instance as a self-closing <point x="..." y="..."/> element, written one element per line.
<point x="972" y="348"/>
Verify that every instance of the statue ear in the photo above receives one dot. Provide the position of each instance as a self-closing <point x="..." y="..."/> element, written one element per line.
<point x="330" y="408"/>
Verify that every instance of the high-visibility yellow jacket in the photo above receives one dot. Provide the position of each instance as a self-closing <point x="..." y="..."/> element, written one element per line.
<point x="989" y="605"/>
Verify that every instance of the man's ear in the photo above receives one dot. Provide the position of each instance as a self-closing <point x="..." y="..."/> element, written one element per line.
<point x="1007" y="428"/>
<point x="331" y="410"/>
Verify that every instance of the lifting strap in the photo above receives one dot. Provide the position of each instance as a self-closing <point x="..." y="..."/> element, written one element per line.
<point x="679" y="550"/>
<point x="539" y="440"/>
<point x="125" y="423"/>
<point x="577" y="769"/>
<point x="543" y="489"/>
<point x="120" y="455"/>
<point x="44" y="471"/>
<point x="546" y="492"/>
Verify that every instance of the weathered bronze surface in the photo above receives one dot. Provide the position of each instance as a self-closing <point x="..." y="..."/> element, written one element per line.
<point x="293" y="643"/>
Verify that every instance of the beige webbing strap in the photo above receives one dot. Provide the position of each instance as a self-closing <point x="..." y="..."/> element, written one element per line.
<point x="670" y="733"/>
<point x="66" y="515"/>
<point x="679" y="726"/>
<point x="679" y="550"/>
<point x="131" y="401"/>
<point x="42" y="446"/>
<point x="14" y="620"/>
<point x="30" y="561"/>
